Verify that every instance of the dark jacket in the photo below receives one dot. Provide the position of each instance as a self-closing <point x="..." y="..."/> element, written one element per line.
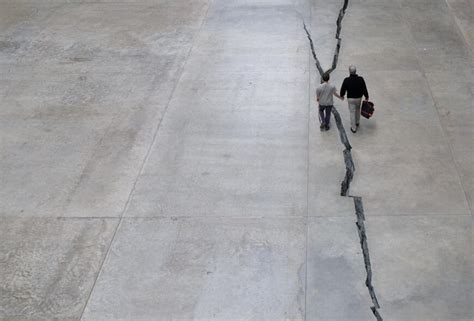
<point x="355" y="87"/>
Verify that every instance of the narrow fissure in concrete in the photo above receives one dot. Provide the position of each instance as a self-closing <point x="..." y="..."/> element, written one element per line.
<point x="365" y="252"/>
<point x="316" y="60"/>
<point x="349" y="163"/>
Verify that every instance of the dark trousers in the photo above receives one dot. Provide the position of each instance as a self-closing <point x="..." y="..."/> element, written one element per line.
<point x="325" y="114"/>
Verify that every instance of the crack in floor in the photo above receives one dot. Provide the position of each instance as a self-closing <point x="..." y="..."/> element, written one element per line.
<point x="349" y="163"/>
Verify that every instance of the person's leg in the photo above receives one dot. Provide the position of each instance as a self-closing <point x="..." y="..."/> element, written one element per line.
<point x="321" y="116"/>
<point x="357" y="111"/>
<point x="352" y="111"/>
<point x="327" y="119"/>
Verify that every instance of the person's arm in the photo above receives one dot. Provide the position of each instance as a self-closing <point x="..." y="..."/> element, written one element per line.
<point x="318" y="93"/>
<point x="337" y="95"/>
<point x="343" y="89"/>
<point x="364" y="89"/>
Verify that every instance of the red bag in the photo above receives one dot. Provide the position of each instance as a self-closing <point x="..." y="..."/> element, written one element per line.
<point x="367" y="109"/>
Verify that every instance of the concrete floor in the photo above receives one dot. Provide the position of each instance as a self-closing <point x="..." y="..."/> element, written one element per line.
<point x="162" y="160"/>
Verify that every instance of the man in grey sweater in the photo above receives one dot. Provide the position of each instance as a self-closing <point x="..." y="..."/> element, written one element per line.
<point x="324" y="94"/>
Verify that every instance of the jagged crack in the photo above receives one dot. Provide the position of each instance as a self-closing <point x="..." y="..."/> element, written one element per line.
<point x="341" y="129"/>
<point x="342" y="12"/>
<point x="350" y="169"/>
<point x="376" y="313"/>
<point x="316" y="60"/>
<point x="349" y="163"/>
<point x="365" y="248"/>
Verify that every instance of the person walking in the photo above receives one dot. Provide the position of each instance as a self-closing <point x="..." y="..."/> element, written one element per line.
<point x="355" y="87"/>
<point x="324" y="94"/>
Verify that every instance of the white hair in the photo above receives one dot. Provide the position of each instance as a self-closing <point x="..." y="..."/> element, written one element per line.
<point x="352" y="69"/>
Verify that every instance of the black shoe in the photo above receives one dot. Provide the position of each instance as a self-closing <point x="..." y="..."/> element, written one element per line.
<point x="354" y="131"/>
<point x="322" y="127"/>
<point x="327" y="127"/>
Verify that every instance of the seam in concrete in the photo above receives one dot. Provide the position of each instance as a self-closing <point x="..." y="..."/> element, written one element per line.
<point x="307" y="189"/>
<point x="250" y="217"/>
<point x="461" y="30"/>
<point x="142" y="166"/>
<point x="349" y="164"/>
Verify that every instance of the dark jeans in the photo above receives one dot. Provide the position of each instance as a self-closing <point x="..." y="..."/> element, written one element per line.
<point x="325" y="114"/>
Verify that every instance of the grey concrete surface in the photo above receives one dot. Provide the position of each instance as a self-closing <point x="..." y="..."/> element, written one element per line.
<point x="48" y="266"/>
<point x="162" y="160"/>
<point x="84" y="99"/>
<point x="212" y="269"/>
<point x="426" y="274"/>
<point x="229" y="110"/>
<point x="334" y="289"/>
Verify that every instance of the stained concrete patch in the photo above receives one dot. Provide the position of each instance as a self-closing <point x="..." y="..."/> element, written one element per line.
<point x="79" y="116"/>
<point x="121" y="38"/>
<point x="48" y="266"/>
<point x="423" y="266"/>
<point x="203" y="269"/>
<point x="336" y="274"/>
<point x="91" y="131"/>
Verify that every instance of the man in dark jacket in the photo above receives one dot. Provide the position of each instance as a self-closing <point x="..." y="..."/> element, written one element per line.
<point x="355" y="87"/>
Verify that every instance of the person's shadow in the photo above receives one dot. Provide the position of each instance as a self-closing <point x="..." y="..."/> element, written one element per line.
<point x="369" y="127"/>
